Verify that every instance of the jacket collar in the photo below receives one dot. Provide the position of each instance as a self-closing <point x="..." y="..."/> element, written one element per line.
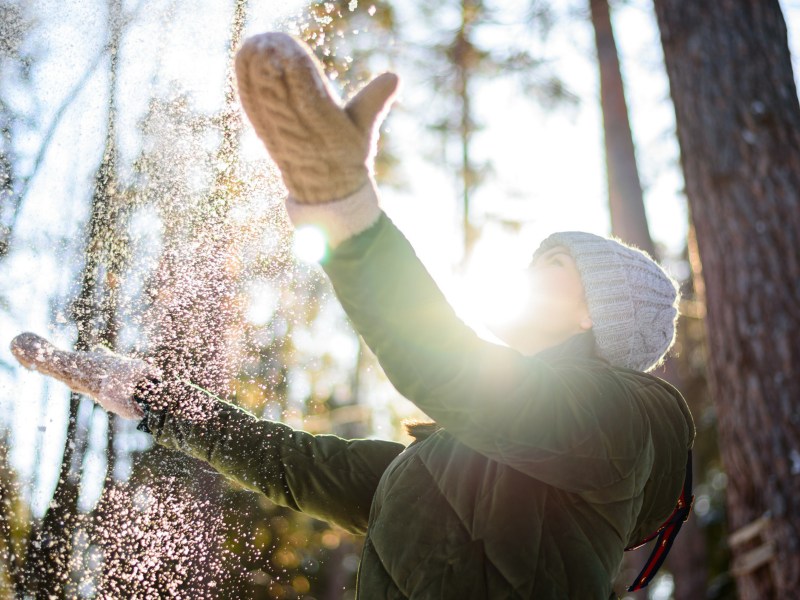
<point x="580" y="345"/>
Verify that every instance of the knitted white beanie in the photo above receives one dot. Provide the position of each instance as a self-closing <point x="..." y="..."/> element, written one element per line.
<point x="633" y="302"/>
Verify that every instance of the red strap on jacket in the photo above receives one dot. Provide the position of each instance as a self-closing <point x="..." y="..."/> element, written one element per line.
<point x="668" y="530"/>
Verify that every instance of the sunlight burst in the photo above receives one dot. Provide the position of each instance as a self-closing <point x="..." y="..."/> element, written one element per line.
<point x="492" y="291"/>
<point x="310" y="244"/>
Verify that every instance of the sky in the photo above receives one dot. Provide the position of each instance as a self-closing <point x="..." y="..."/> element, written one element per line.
<point x="549" y="169"/>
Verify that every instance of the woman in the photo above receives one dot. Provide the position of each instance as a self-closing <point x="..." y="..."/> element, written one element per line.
<point x="546" y="457"/>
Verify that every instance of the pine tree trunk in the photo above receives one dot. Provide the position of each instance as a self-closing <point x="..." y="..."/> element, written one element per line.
<point x="738" y="121"/>
<point x="626" y="202"/>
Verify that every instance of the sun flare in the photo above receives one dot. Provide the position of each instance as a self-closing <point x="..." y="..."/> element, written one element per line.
<point x="492" y="290"/>
<point x="310" y="244"/>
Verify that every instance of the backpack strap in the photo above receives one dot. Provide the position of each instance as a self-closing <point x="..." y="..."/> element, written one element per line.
<point x="668" y="530"/>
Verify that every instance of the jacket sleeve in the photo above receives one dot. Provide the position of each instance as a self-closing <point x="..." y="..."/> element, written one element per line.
<point x="572" y="424"/>
<point x="326" y="476"/>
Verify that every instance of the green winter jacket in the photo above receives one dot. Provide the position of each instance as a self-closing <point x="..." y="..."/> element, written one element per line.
<point x="543" y="469"/>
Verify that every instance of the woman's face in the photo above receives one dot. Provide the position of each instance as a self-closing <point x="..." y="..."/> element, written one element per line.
<point x="557" y="306"/>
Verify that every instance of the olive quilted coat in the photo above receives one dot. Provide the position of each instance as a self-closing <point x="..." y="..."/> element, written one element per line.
<point x="542" y="470"/>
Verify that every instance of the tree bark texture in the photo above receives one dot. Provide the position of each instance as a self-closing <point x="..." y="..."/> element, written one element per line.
<point x="738" y="122"/>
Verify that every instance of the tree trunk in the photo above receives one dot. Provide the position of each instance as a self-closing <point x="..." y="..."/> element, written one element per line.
<point x="738" y="122"/>
<point x="626" y="203"/>
<point x="10" y="199"/>
<point x="9" y="495"/>
<point x="463" y="55"/>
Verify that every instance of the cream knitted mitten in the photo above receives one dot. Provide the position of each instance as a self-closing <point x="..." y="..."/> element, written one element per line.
<point x="323" y="150"/>
<point x="107" y="377"/>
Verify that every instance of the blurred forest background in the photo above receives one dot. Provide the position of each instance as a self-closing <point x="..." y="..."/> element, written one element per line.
<point x="139" y="211"/>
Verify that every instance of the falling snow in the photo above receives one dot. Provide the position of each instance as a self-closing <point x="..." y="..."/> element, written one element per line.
<point x="190" y="234"/>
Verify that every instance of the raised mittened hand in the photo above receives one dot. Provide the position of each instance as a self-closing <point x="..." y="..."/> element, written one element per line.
<point x="107" y="377"/>
<point x="324" y="150"/>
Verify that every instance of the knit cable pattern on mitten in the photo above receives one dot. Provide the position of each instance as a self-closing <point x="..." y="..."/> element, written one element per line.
<point x="324" y="151"/>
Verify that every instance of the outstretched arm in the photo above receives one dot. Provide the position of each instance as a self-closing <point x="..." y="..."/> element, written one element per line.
<point x="576" y="427"/>
<point x="326" y="476"/>
<point x="323" y="475"/>
<point x="573" y="424"/>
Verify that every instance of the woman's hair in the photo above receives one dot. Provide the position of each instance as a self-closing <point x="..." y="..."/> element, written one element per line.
<point x="420" y="429"/>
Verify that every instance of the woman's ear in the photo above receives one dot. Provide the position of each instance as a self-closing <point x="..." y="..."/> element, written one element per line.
<point x="586" y="323"/>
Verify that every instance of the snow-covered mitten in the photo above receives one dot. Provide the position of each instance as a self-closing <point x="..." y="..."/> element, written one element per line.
<point x="109" y="378"/>
<point x="323" y="150"/>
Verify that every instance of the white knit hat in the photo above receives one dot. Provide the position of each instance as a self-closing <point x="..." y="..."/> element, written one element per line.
<point x="633" y="302"/>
